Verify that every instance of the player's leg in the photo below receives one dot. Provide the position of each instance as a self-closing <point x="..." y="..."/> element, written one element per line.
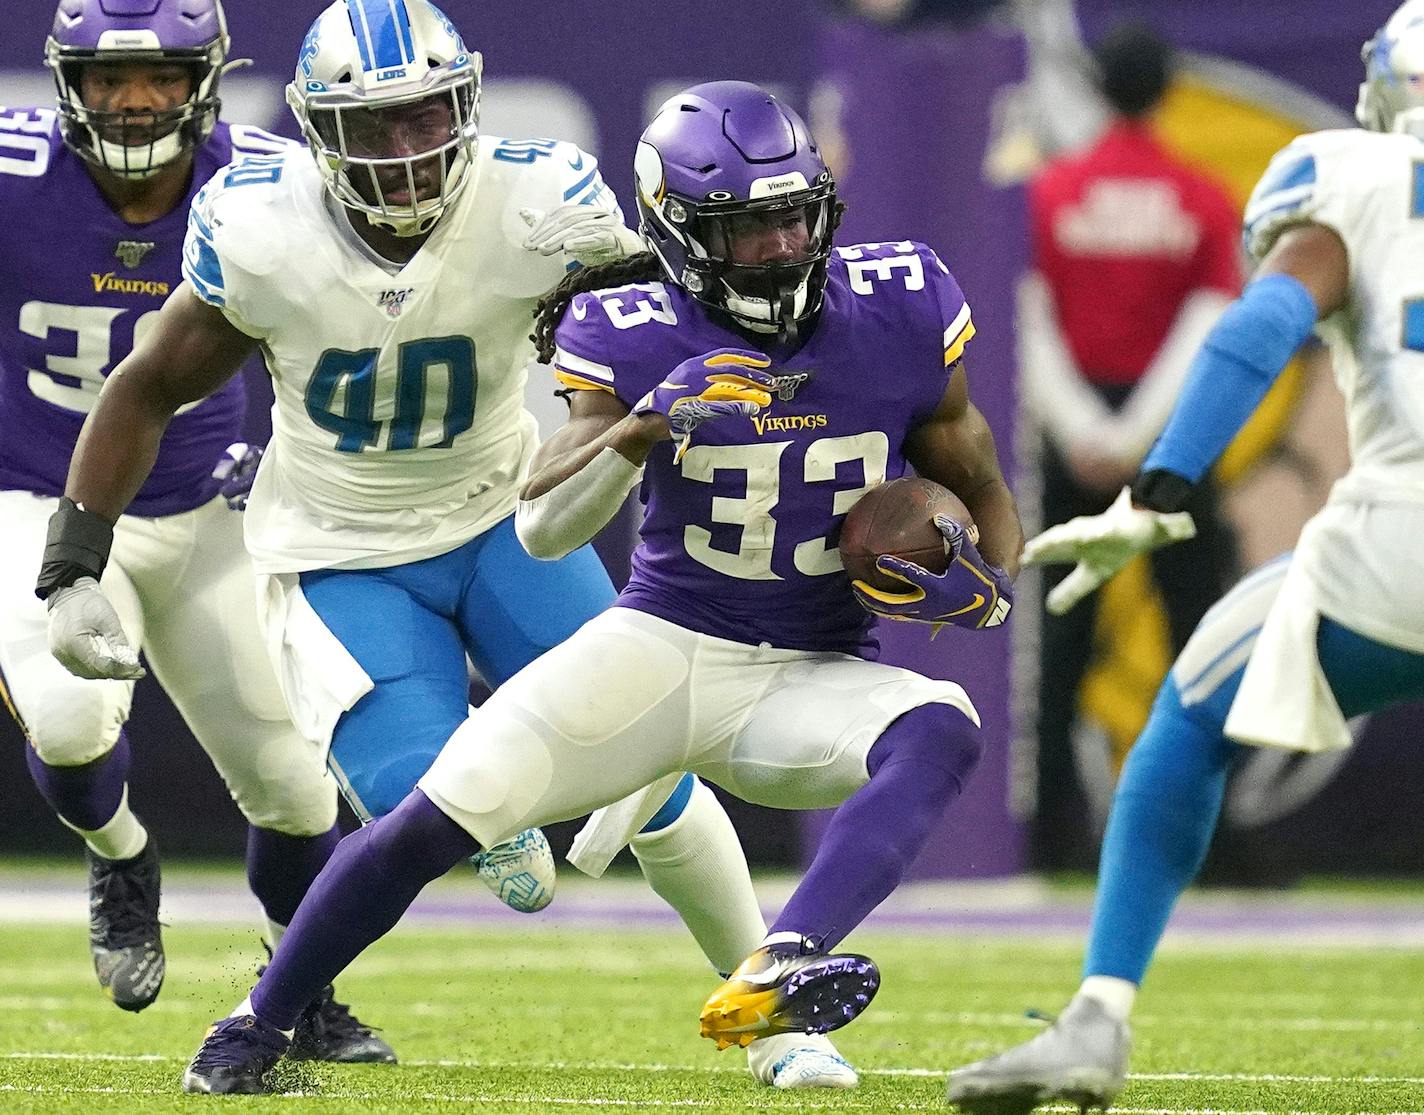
<point x="566" y="735"/>
<point x="895" y="749"/>
<point x="1163" y="816"/>
<point x="515" y="609"/>
<point x="205" y="647"/>
<point x="78" y="756"/>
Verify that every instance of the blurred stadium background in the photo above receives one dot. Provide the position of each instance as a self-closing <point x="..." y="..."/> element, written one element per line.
<point x="935" y="112"/>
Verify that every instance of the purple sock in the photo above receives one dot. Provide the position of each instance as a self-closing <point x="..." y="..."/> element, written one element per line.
<point x="281" y="868"/>
<point x="86" y="796"/>
<point x="370" y="880"/>
<point x="917" y="767"/>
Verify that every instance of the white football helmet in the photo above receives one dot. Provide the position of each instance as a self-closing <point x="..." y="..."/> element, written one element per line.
<point x="1392" y="94"/>
<point x="365" y="67"/>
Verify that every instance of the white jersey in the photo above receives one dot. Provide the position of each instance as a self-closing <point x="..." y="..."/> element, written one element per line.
<point x="1369" y="188"/>
<point x="1360" y="552"/>
<point x="399" y="430"/>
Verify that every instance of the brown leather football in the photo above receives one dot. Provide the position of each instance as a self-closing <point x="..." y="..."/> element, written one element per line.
<point x="898" y="518"/>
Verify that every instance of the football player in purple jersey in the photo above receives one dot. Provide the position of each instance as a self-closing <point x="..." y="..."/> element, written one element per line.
<point x="105" y="184"/>
<point x="757" y="382"/>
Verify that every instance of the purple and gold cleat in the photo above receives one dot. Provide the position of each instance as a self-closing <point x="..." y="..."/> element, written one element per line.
<point x="782" y="989"/>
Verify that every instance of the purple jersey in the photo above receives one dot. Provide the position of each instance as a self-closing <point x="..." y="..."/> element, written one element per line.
<point x="77" y="285"/>
<point x="739" y="537"/>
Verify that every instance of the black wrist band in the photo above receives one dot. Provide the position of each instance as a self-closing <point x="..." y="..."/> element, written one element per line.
<point x="1160" y="490"/>
<point x="77" y="546"/>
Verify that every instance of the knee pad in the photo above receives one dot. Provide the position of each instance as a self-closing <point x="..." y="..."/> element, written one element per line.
<point x="71" y="726"/>
<point x="296" y="798"/>
<point x="491" y="774"/>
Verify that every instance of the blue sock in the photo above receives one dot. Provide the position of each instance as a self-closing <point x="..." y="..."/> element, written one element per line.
<point x="1163" y="815"/>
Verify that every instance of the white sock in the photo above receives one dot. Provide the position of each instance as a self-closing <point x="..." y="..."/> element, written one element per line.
<point x="698" y="867"/>
<point x="274" y="933"/>
<point x="122" y="837"/>
<point x="1115" y="995"/>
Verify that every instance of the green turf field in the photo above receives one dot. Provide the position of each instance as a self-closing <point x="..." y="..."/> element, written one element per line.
<point x="565" y="1019"/>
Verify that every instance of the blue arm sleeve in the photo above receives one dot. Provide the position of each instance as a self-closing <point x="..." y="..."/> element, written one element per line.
<point x="1242" y="356"/>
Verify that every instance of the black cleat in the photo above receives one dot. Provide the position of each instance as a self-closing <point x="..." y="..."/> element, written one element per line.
<point x="328" y="1031"/>
<point x="124" y="935"/>
<point x="235" y="1057"/>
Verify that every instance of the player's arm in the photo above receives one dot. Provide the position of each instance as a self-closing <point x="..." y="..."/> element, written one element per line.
<point x="190" y="353"/>
<point x="1305" y="276"/>
<point x="955" y="447"/>
<point x="580" y="477"/>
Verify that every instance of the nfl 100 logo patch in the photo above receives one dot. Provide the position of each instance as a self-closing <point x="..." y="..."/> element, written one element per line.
<point x="394" y="301"/>
<point x="131" y="252"/>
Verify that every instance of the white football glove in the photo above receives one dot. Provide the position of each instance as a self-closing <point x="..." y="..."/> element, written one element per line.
<point x="86" y="636"/>
<point x="1103" y="544"/>
<point x="585" y="234"/>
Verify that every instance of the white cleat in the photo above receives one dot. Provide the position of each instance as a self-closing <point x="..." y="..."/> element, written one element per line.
<point x="520" y="872"/>
<point x="800" y="1061"/>
<point x="1081" y="1058"/>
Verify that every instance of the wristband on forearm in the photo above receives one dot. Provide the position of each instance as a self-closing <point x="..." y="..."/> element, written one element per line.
<point x="1160" y="490"/>
<point x="77" y="545"/>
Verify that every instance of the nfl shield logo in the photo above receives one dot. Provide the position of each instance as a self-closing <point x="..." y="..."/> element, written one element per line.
<point x="131" y="252"/>
<point x="393" y="301"/>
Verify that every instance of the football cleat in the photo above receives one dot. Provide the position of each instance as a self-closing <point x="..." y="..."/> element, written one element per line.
<point x="328" y="1031"/>
<point x="1081" y="1058"/>
<point x="235" y="1057"/>
<point x="781" y="989"/>
<point x="799" y="1061"/>
<point x="520" y="872"/>
<point x="124" y="935"/>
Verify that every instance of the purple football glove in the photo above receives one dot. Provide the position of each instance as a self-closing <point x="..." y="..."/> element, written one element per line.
<point x="713" y="385"/>
<point x="237" y="468"/>
<point x="970" y="593"/>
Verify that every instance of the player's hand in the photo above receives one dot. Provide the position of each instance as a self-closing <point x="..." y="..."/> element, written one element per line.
<point x="969" y="593"/>
<point x="237" y="468"/>
<point x="86" y="636"/>
<point x="585" y="234"/>
<point x="1103" y="544"/>
<point x="728" y="381"/>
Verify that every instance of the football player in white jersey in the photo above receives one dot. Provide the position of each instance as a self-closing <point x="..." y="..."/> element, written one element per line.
<point x="105" y="178"/>
<point x="1332" y="631"/>
<point x="389" y="277"/>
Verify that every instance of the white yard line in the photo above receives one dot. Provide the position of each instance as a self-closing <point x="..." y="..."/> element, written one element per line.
<point x="655" y="1067"/>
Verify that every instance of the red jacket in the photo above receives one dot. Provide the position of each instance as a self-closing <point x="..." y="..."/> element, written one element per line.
<point x="1122" y="233"/>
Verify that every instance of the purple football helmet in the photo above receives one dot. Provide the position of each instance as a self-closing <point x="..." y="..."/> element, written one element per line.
<point x="191" y="33"/>
<point x="719" y="159"/>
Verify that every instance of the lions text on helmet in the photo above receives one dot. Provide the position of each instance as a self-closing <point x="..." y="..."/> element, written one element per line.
<point x="137" y="83"/>
<point x="394" y="136"/>
<point x="748" y="233"/>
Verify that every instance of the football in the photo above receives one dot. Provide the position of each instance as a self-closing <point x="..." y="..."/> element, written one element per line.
<point x="898" y="518"/>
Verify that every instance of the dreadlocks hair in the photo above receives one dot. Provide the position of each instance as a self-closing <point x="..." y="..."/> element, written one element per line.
<point x="641" y="267"/>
